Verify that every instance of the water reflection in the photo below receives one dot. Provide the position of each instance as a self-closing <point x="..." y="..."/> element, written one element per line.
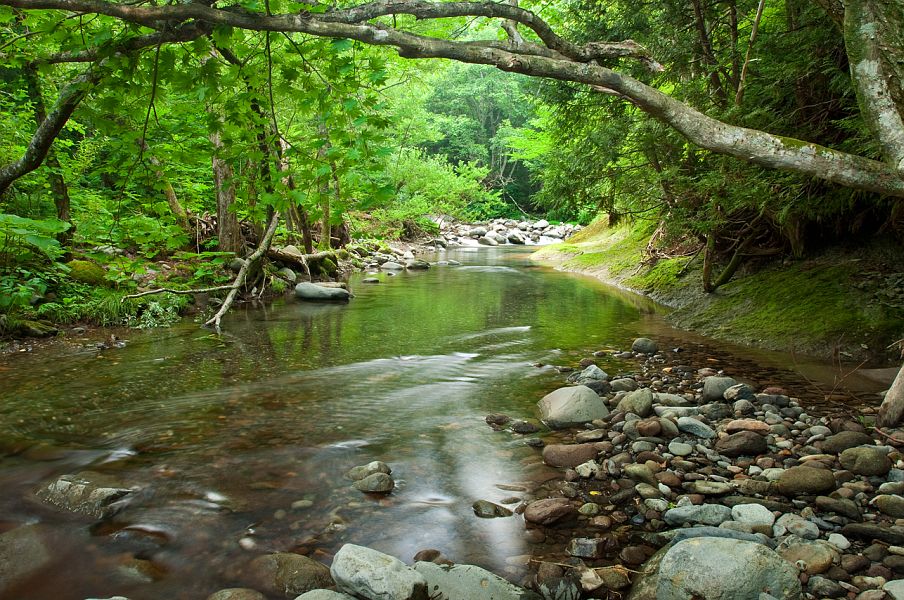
<point x="247" y="436"/>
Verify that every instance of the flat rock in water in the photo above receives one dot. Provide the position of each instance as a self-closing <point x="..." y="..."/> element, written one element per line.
<point x="468" y="582"/>
<point x="549" y="511"/>
<point x="687" y="533"/>
<point x="391" y="265"/>
<point x="311" y="292"/>
<point x="570" y="406"/>
<point x="726" y="569"/>
<point x="569" y="455"/>
<point x="94" y="494"/>
<point x="288" y="573"/>
<point x="363" y="572"/>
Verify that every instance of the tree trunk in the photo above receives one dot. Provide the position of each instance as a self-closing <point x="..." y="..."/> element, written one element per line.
<point x="229" y="232"/>
<point x="892" y="408"/>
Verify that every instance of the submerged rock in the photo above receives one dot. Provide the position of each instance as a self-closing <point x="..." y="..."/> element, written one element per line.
<point x="286" y="573"/>
<point x="487" y="510"/>
<point x="24" y="551"/>
<point x="89" y="493"/>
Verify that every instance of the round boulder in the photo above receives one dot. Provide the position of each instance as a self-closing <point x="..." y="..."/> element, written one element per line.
<point x="726" y="569"/>
<point x="644" y="346"/>
<point x="865" y="460"/>
<point x="804" y="480"/>
<point x="570" y="406"/>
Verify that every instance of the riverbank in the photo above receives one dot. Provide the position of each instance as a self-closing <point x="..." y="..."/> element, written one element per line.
<point x="844" y="304"/>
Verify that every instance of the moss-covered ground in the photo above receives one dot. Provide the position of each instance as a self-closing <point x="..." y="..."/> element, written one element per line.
<point x="847" y="301"/>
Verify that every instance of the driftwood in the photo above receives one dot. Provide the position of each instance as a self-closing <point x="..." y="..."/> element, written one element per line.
<point x="301" y="260"/>
<point x="892" y="408"/>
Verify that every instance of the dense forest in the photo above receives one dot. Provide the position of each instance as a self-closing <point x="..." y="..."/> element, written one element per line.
<point x="140" y="138"/>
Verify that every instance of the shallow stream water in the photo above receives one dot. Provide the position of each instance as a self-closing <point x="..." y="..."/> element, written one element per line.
<point x="246" y="436"/>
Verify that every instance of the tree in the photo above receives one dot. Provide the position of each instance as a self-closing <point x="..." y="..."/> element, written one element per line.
<point x="873" y="31"/>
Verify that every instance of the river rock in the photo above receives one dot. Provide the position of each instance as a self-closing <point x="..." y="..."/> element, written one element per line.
<point x="324" y="595"/>
<point x="724" y="569"/>
<point x="570" y="406"/>
<point x="416" y="264"/>
<point x="804" y="480"/>
<point x="488" y="241"/>
<point x="639" y="402"/>
<point x="841" y="441"/>
<point x="644" y="346"/>
<point x="752" y="514"/>
<point x="487" y="510"/>
<point x="377" y="466"/>
<point x="841" y="506"/>
<point x="623" y="384"/>
<point x="378" y="483"/>
<point x="743" y="443"/>
<point x="237" y="594"/>
<point x="680" y="448"/>
<point x="890" y="504"/>
<point x="549" y="511"/>
<point x="714" y="387"/>
<point x="894" y="589"/>
<point x="569" y="455"/>
<point x="705" y="514"/>
<point x="865" y="460"/>
<point x="363" y="572"/>
<point x="97" y="495"/>
<point x="686" y="533"/>
<point x="311" y="292"/>
<point x="709" y="488"/>
<point x="871" y="531"/>
<point x="747" y="425"/>
<point x="288" y="574"/>
<point x="695" y="427"/>
<point x="796" y="526"/>
<point x="468" y="582"/>
<point x="817" y="556"/>
<point x="592" y="373"/>
<point x="391" y="265"/>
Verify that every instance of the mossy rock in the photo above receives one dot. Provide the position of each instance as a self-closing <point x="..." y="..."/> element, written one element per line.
<point x="328" y="267"/>
<point x="39" y="329"/>
<point x="85" y="271"/>
<point x="343" y="254"/>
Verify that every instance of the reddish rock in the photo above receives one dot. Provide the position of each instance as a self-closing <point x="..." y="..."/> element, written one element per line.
<point x="743" y="443"/>
<point x="747" y="425"/>
<point x="569" y="455"/>
<point x="549" y="511"/>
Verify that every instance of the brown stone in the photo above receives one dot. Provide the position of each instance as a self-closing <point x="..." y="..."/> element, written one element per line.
<point x="747" y="425"/>
<point x="743" y="443"/>
<point x="549" y="511"/>
<point x="568" y="455"/>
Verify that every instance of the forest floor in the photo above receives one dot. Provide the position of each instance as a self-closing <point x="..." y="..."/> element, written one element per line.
<point x="843" y="303"/>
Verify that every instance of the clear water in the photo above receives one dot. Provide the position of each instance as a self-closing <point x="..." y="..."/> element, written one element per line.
<point x="223" y="434"/>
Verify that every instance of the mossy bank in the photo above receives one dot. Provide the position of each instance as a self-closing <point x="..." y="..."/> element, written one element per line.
<point x="843" y="303"/>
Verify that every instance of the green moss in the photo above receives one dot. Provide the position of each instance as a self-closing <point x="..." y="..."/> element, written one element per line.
<point x="85" y="271"/>
<point x="813" y="307"/>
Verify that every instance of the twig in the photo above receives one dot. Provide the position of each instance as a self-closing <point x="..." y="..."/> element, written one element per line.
<point x="218" y="288"/>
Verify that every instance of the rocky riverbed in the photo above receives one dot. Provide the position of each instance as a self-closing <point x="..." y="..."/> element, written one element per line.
<point x="675" y="481"/>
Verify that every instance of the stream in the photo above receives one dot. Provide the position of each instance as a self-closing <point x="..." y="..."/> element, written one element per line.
<point x="239" y="442"/>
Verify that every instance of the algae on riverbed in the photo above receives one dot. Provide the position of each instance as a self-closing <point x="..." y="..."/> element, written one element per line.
<point x="848" y="303"/>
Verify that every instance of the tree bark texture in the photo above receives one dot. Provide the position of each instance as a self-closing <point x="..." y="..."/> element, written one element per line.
<point x="229" y="232"/>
